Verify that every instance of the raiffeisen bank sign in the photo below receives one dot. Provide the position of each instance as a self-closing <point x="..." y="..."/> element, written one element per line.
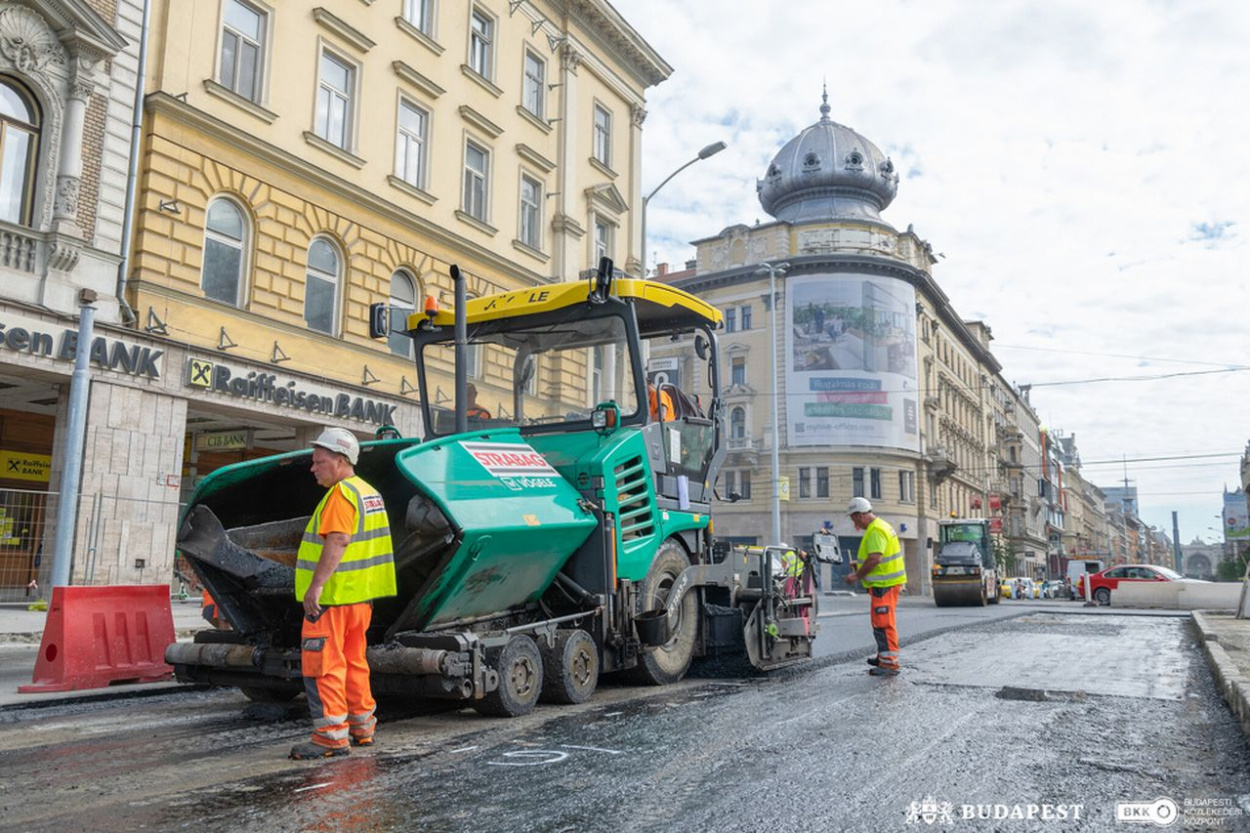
<point x="288" y="392"/>
<point x="33" y="337"/>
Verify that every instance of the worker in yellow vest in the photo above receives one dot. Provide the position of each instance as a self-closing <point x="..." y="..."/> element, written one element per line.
<point x="345" y="561"/>
<point x="880" y="567"/>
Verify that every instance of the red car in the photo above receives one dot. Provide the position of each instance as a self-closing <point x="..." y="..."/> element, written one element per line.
<point x="1101" y="584"/>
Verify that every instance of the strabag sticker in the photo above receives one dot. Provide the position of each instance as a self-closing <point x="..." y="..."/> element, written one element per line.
<point x="507" y="460"/>
<point x="373" y="503"/>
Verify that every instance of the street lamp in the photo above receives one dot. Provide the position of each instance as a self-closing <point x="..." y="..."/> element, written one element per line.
<point x="710" y="150"/>
<point x="772" y="269"/>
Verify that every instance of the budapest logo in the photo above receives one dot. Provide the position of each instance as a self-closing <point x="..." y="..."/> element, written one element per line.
<point x="931" y="811"/>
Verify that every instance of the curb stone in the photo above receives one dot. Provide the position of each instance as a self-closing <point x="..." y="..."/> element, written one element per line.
<point x="1228" y="677"/>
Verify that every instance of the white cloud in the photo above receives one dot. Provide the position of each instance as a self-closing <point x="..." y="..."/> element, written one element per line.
<point x="1082" y="166"/>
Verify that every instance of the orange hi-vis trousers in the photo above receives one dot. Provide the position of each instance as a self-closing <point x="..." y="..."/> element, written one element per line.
<point x="336" y="674"/>
<point x="884" y="600"/>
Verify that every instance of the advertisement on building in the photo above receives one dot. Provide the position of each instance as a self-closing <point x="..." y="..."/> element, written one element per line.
<point x="851" y="361"/>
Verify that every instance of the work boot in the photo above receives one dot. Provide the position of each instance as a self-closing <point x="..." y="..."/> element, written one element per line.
<point x="309" y="750"/>
<point x="362" y="740"/>
<point x="883" y="672"/>
<point x="873" y="661"/>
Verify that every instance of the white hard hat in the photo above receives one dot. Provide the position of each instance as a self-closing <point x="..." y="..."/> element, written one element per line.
<point x="857" y="505"/>
<point x="340" y="441"/>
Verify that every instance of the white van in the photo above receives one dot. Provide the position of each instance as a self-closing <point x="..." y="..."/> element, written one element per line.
<point x="1078" y="567"/>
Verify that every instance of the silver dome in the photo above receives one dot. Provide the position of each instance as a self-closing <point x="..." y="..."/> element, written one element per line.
<point x="828" y="172"/>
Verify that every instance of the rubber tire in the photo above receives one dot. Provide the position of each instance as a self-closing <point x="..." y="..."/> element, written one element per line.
<point x="669" y="662"/>
<point x="1102" y="596"/>
<point x="570" y="668"/>
<point x="520" y="668"/>
<point x="269" y="695"/>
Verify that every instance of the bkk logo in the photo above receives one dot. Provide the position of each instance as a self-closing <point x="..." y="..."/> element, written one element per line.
<point x="932" y="811"/>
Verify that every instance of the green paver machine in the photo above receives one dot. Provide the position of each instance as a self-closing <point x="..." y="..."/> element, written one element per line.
<point x="561" y="534"/>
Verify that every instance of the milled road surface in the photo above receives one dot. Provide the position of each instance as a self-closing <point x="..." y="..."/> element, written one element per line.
<point x="1063" y="711"/>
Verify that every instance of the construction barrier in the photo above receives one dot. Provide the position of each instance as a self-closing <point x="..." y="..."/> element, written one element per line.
<point x="97" y="636"/>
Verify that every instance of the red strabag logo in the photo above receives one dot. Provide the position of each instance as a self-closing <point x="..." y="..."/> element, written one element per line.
<point x="509" y="459"/>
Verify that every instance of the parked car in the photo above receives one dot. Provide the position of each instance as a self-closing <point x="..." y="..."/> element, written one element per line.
<point x="1103" y="583"/>
<point x="1006" y="588"/>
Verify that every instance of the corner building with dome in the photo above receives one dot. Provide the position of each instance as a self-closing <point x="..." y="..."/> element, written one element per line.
<point x="884" y="391"/>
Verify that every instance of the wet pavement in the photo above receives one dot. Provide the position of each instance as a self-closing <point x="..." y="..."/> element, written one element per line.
<point x="1059" y="713"/>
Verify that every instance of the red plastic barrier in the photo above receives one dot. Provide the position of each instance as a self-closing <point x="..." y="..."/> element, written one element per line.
<point x="96" y="636"/>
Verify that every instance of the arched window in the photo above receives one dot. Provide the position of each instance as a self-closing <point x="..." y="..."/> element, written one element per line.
<point x="738" y="423"/>
<point x="19" y="142"/>
<point x="403" y="300"/>
<point x="225" y="240"/>
<point x="321" y="294"/>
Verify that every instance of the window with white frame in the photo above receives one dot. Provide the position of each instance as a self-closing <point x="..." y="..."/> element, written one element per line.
<point x="225" y="239"/>
<point x="335" y="91"/>
<point x="874" y="484"/>
<point x="403" y="300"/>
<point x="19" y="142"/>
<point x="744" y="484"/>
<point x="731" y="320"/>
<point x="738" y="371"/>
<point x="481" y="43"/>
<point x="907" y="486"/>
<point x="603" y="136"/>
<point x="321" y="292"/>
<point x="243" y="49"/>
<point x="746" y="317"/>
<point x="534" y="85"/>
<point x="531" y="212"/>
<point x="420" y="13"/>
<point x="822" y="481"/>
<point x="410" y="144"/>
<point x="596" y="375"/>
<point x="857" y="481"/>
<point x="805" y="482"/>
<point x="476" y="178"/>
<point x="738" y="423"/>
<point x="603" y="240"/>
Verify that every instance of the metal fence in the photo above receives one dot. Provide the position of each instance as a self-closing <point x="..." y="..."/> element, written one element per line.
<point x="22" y="526"/>
<point x="119" y="539"/>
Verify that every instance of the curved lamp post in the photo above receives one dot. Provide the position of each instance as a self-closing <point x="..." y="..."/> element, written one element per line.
<point x="710" y="150"/>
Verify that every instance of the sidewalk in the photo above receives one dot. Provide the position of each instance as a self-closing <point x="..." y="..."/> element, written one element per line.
<point x="21" y="631"/>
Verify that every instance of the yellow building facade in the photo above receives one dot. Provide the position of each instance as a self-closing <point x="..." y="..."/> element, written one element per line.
<point x="301" y="161"/>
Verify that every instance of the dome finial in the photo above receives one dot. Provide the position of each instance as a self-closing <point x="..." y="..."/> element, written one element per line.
<point x="824" y="99"/>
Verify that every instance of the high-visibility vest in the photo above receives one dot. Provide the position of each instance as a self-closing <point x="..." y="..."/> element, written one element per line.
<point x="889" y="570"/>
<point x="791" y="564"/>
<point x="367" y="570"/>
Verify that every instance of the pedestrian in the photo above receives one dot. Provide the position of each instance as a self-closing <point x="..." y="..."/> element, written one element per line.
<point x="474" y="410"/>
<point x="345" y="562"/>
<point x="879" y="566"/>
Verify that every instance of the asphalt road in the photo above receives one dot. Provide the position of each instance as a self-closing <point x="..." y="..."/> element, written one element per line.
<point x="1054" y="711"/>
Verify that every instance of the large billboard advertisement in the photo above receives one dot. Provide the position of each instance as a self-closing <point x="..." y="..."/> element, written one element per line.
<point x="851" y="361"/>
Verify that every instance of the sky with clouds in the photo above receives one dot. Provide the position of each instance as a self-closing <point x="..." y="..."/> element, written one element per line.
<point x="1084" y="168"/>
